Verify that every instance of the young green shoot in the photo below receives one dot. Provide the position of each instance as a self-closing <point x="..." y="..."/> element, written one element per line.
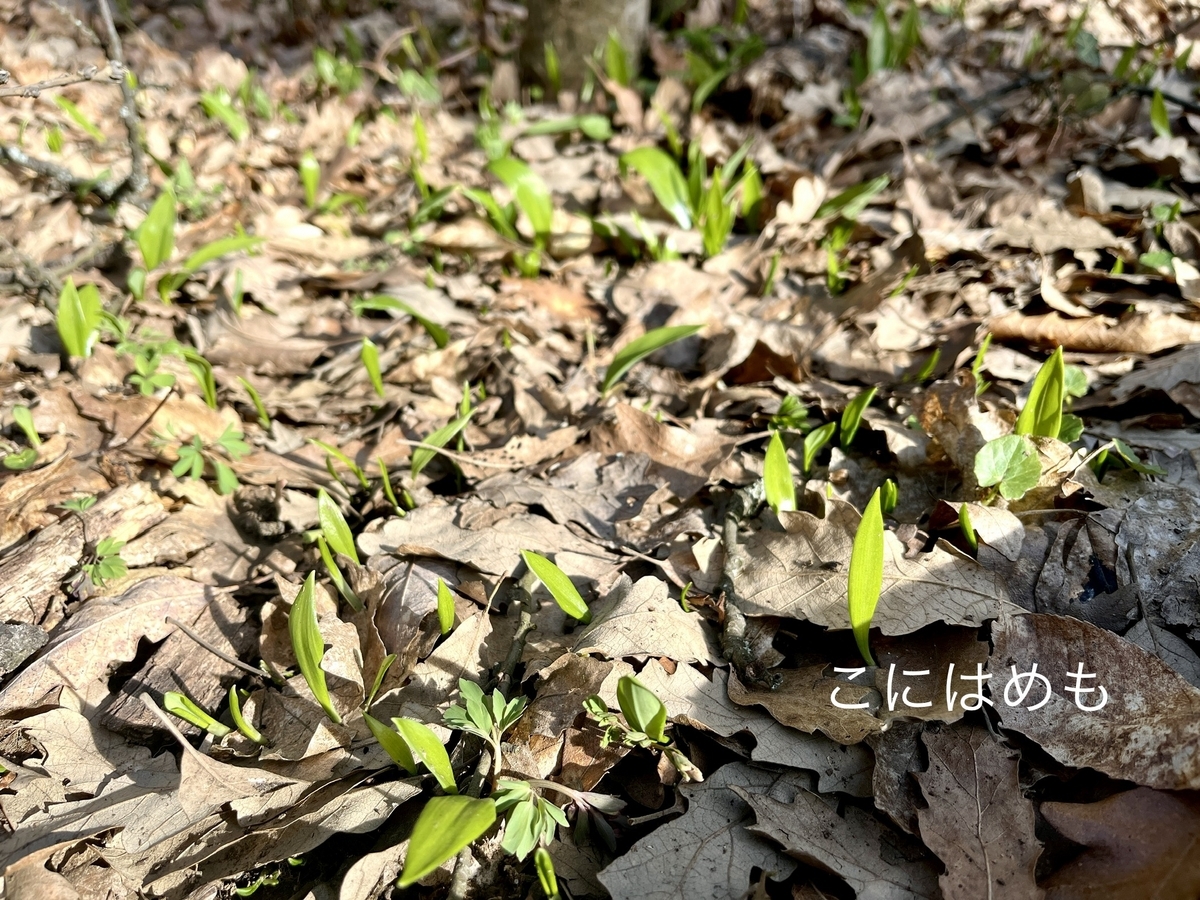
<point x="423" y="456"/>
<point x="645" y="724"/>
<point x="334" y="527"/>
<point x="852" y="415"/>
<point x="179" y="705"/>
<point x="309" y="646"/>
<point x="247" y="730"/>
<point x="108" y="563"/>
<point x="264" y="418"/>
<point x="335" y="453"/>
<point x="445" y="607"/>
<point x="370" y="361"/>
<point x="866" y="575"/>
<point x="889" y="497"/>
<point x="565" y="594"/>
<point x="777" y="477"/>
<point x="815" y="441"/>
<point x="968" y="530"/>
<point x="1043" y="410"/>
<point x="78" y="318"/>
<point x="310" y="178"/>
<point x="637" y="350"/>
<point x="666" y="180"/>
<point x="387" y="488"/>
<point x="545" y="873"/>
<point x="487" y="718"/>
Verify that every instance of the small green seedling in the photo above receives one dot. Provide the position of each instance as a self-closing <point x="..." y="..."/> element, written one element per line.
<point x="815" y="441"/>
<point x="777" y="477"/>
<point x="968" y="530"/>
<point x="423" y="456"/>
<point x="666" y="180"/>
<point x="852" y="415"/>
<point x="335" y="453"/>
<point x="336" y="576"/>
<point x="387" y="488"/>
<point x="1160" y="119"/>
<point x="78" y="318"/>
<point x="76" y="115"/>
<point x="532" y="819"/>
<point x="565" y="594"/>
<point x="370" y="361"/>
<point x="179" y="705"/>
<point x="310" y="178"/>
<point x="1043" y="410"/>
<point x="107" y="563"/>
<point x="545" y="872"/>
<point x="264" y="418"/>
<point x="446" y="825"/>
<point x="531" y="194"/>
<point x="415" y="742"/>
<point x="791" y="416"/>
<point x="23" y="459"/>
<point x="977" y="365"/>
<point x="334" y="528"/>
<point x="1010" y="464"/>
<point x="218" y="104"/>
<point x="644" y="726"/>
<point x="240" y="721"/>
<point x="866" y="575"/>
<point x="487" y="720"/>
<point x="379" y="676"/>
<point x="637" y="350"/>
<point x="889" y="497"/>
<point x="269" y="879"/>
<point x="195" y="455"/>
<point x="445" y="607"/>
<point x="309" y="646"/>
<point x="146" y="377"/>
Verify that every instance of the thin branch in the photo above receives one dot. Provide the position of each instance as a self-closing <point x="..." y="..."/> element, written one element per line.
<point x="232" y="660"/>
<point x="137" y="180"/>
<point x="60" y="176"/>
<point x="88" y="73"/>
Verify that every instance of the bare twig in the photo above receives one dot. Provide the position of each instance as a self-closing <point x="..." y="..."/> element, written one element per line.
<point x="60" y="176"/>
<point x="232" y="660"/>
<point x="137" y="180"/>
<point x="88" y="73"/>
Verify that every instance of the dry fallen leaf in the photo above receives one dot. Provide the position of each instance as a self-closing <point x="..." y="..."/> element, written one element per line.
<point x="105" y="630"/>
<point x="977" y="821"/>
<point x="706" y="854"/>
<point x="794" y="574"/>
<point x="1140" y="843"/>
<point x="878" y="863"/>
<point x="1147" y="731"/>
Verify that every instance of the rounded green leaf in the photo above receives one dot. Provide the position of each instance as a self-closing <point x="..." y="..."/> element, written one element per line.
<point x="866" y="574"/>
<point x="1009" y="462"/>
<point x="445" y="826"/>
<point x="558" y="584"/>
<point x="637" y="350"/>
<point x="642" y="709"/>
<point x="155" y="237"/>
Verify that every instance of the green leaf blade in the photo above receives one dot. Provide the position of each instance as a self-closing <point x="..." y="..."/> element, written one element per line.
<point x="446" y="825"/>
<point x="665" y="179"/>
<point x="334" y="527"/>
<point x="565" y="594"/>
<point x="777" y="477"/>
<point x="429" y="750"/>
<point x="309" y="646"/>
<point x="639" y="348"/>
<point x="529" y="190"/>
<point x="853" y="413"/>
<point x="1042" y="413"/>
<point x="866" y="575"/>
<point x="445" y="607"/>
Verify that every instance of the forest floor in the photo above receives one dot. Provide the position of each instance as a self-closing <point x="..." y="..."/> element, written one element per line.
<point x="347" y="384"/>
